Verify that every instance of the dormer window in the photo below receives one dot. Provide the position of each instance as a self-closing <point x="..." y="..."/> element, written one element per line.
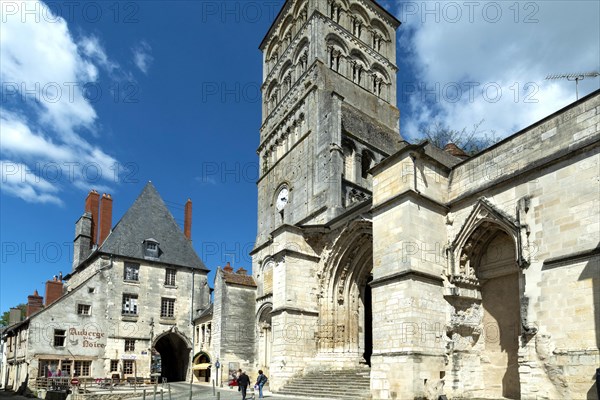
<point x="151" y="248"/>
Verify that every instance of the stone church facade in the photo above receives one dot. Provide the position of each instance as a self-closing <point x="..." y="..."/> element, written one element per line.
<point x="440" y="274"/>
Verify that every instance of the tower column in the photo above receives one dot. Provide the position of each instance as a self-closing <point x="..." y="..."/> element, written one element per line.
<point x="336" y="157"/>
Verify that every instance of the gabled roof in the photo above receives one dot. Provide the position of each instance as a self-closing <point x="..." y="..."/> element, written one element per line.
<point x="149" y="217"/>
<point x="237" y="278"/>
<point x="208" y="312"/>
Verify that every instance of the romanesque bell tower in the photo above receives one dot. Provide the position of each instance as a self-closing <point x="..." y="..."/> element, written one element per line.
<point x="328" y="116"/>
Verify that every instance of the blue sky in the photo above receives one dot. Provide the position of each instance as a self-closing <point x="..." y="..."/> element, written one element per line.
<point x="109" y="95"/>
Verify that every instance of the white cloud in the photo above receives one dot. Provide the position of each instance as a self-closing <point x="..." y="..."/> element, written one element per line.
<point x="20" y="181"/>
<point x="142" y="57"/>
<point x="506" y="47"/>
<point x="91" y="47"/>
<point x="45" y="113"/>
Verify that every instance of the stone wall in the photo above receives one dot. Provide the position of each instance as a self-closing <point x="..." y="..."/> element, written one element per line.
<point x="540" y="193"/>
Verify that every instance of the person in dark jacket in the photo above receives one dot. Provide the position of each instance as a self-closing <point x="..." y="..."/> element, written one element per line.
<point x="260" y="382"/>
<point x="243" y="381"/>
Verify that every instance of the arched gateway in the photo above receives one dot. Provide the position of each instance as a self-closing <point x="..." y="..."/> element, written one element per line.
<point x="174" y="351"/>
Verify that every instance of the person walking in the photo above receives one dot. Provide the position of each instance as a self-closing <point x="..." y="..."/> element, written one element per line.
<point x="243" y="382"/>
<point x="260" y="382"/>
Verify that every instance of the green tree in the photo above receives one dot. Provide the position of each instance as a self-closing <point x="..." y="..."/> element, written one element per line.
<point x="5" y="315"/>
<point x="470" y="141"/>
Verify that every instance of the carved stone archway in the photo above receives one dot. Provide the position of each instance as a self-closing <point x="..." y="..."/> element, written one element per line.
<point x="264" y="337"/>
<point x="344" y="298"/>
<point x="487" y="294"/>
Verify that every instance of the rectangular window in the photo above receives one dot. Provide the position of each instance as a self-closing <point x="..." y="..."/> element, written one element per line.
<point x="167" y="308"/>
<point x="65" y="367"/>
<point x="82" y="368"/>
<point x="59" y="337"/>
<point x="129" y="345"/>
<point x="170" y="277"/>
<point x="84" y="309"/>
<point x="47" y="368"/>
<point x="130" y="304"/>
<point x="114" y="365"/>
<point x="128" y="367"/>
<point x="132" y="272"/>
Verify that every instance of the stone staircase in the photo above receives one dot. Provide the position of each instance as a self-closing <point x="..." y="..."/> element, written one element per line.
<point x="330" y="384"/>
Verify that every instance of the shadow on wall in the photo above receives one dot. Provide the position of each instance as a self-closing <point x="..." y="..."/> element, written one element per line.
<point x="592" y="271"/>
<point x="594" y="392"/>
<point x="22" y="390"/>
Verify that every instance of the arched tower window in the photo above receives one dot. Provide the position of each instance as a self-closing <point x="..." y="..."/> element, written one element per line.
<point x="357" y="27"/>
<point x="380" y="81"/>
<point x="336" y="52"/>
<point x="379" y="36"/>
<point x="348" y="150"/>
<point x="357" y="72"/>
<point x="334" y="11"/>
<point x="366" y="163"/>
<point x="334" y="58"/>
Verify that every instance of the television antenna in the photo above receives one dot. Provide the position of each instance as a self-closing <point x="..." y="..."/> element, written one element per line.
<point x="574" y="77"/>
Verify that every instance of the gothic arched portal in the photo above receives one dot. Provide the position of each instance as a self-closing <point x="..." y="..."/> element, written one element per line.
<point x="345" y="330"/>
<point x="488" y="259"/>
<point x="265" y="337"/>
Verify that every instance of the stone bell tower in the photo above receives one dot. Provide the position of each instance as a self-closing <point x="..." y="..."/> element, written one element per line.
<point x="328" y="116"/>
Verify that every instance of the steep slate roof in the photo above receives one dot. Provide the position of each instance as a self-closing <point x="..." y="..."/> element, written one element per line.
<point x="147" y="218"/>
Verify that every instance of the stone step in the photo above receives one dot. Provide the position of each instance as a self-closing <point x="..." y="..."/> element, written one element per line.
<point x="354" y="385"/>
<point x="327" y="395"/>
<point x="332" y="384"/>
<point x="325" y="389"/>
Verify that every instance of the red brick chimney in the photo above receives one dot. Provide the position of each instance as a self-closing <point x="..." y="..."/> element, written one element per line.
<point x="54" y="289"/>
<point x="35" y="303"/>
<point x="105" y="217"/>
<point x="241" y="271"/>
<point x="228" y="268"/>
<point x="187" y="222"/>
<point x="91" y="205"/>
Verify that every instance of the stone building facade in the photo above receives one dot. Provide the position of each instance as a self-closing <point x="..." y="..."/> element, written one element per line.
<point x="440" y="274"/>
<point x="226" y="330"/>
<point x="128" y="300"/>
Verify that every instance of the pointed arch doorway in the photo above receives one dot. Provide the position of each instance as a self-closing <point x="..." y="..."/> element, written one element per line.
<point x="345" y="329"/>
<point x="489" y="258"/>
<point x="265" y="337"/>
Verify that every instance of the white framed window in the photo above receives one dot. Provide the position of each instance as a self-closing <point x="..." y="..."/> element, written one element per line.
<point x="114" y="365"/>
<point x="66" y="367"/>
<point x="130" y="304"/>
<point x="129" y="344"/>
<point x="132" y="272"/>
<point x="84" y="309"/>
<point x="167" y="308"/>
<point x="170" y="277"/>
<point x="128" y="367"/>
<point x="82" y="368"/>
<point x="60" y="336"/>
